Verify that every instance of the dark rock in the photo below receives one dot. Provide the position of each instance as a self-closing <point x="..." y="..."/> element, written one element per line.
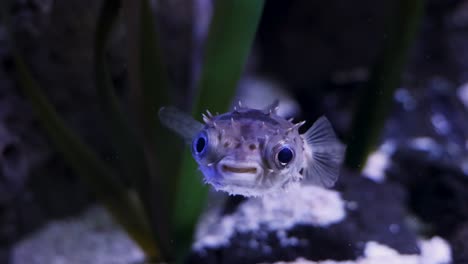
<point x="429" y="131"/>
<point x="437" y="187"/>
<point x="380" y="214"/>
<point x="269" y="246"/>
<point x="432" y="111"/>
<point x="231" y="203"/>
<point x="5" y="256"/>
<point x="375" y="212"/>
<point x="459" y="244"/>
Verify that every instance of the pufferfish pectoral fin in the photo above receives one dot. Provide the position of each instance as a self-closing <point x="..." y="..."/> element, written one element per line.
<point x="324" y="154"/>
<point x="180" y="122"/>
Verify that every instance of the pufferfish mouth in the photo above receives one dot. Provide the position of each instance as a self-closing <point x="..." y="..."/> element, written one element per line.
<point x="231" y="169"/>
<point x="227" y="168"/>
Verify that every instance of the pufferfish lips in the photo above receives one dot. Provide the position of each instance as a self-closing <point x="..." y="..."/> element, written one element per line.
<point x="229" y="169"/>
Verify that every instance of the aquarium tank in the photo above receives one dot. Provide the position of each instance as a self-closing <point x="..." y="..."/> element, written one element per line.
<point x="233" y="131"/>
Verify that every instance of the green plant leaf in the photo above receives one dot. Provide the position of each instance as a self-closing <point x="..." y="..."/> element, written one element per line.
<point x="232" y="31"/>
<point x="133" y="160"/>
<point x="376" y="98"/>
<point x="149" y="92"/>
<point x="230" y="38"/>
<point x="132" y="154"/>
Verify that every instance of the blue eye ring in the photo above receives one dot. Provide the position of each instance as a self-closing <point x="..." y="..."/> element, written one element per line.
<point x="200" y="144"/>
<point x="284" y="156"/>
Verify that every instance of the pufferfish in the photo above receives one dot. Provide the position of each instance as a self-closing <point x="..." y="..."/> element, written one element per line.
<point x="253" y="152"/>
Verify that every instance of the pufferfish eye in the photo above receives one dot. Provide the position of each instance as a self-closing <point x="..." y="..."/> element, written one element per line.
<point x="285" y="155"/>
<point x="200" y="144"/>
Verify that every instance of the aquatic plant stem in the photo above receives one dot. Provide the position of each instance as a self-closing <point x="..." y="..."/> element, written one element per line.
<point x="133" y="161"/>
<point x="149" y="91"/>
<point x="376" y="98"/>
<point x="231" y="34"/>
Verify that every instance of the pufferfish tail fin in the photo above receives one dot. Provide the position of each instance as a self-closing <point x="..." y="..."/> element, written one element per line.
<point x="324" y="154"/>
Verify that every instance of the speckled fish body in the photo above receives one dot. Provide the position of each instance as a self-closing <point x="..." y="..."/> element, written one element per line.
<point x="252" y="152"/>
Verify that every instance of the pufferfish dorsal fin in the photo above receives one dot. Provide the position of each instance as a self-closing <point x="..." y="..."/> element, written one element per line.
<point x="181" y="123"/>
<point x="324" y="154"/>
